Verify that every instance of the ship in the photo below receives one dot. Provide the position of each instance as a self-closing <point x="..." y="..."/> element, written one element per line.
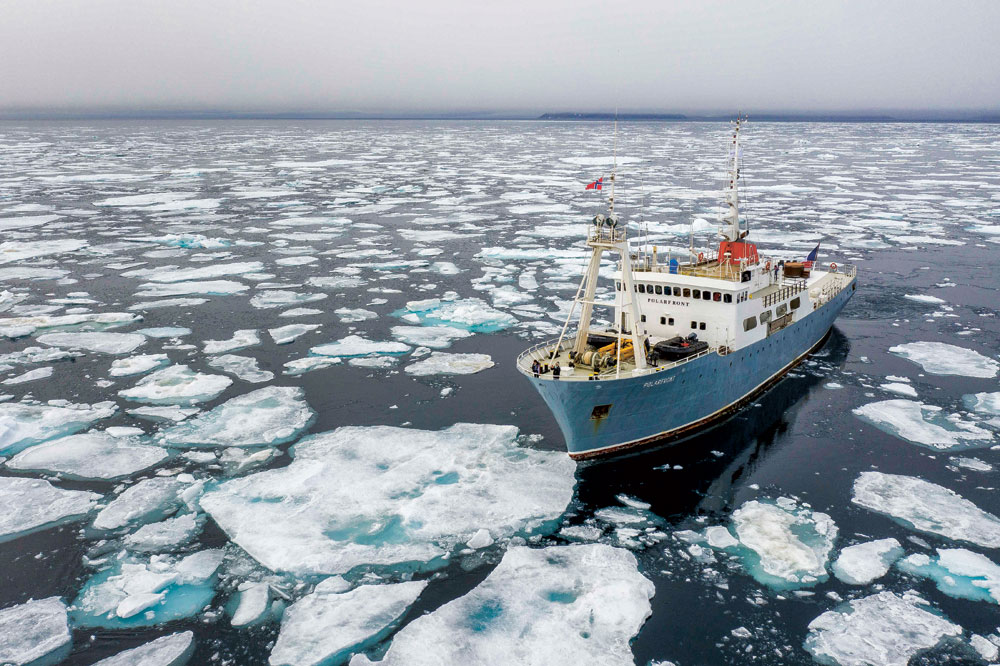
<point x="693" y="338"/>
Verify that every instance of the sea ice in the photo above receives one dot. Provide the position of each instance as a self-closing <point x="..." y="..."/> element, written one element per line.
<point x="900" y="388"/>
<point x="206" y="287"/>
<point x="440" y="363"/>
<point x="23" y="424"/>
<point x="285" y="334"/>
<point x="30" y="376"/>
<point x="165" y="413"/>
<point x="386" y="496"/>
<point x="168" y="303"/>
<point x="171" y="650"/>
<point x="927" y="507"/>
<point x="540" y="606"/>
<point x="105" y="343"/>
<point x="242" y="367"/>
<point x="300" y="366"/>
<point x="177" y="385"/>
<point x="924" y="298"/>
<point x="958" y="573"/>
<point x="782" y="543"/>
<point x="11" y="251"/>
<point x="864" y="562"/>
<point x="165" y="332"/>
<point x="276" y="298"/>
<point x="136" y="592"/>
<point x="240" y="340"/>
<point x="472" y="314"/>
<point x="300" y="312"/>
<point x="254" y="599"/>
<point x="922" y="424"/>
<point x="92" y="455"/>
<point x="147" y="501"/>
<point x="327" y="627"/>
<point x="435" y="337"/>
<point x="355" y="345"/>
<point x="40" y="355"/>
<point x="984" y="403"/>
<point x="939" y="358"/>
<point x="32" y="505"/>
<point x="169" y="534"/>
<point x="351" y="315"/>
<point x="174" y="274"/>
<point x="28" y="325"/>
<point x="885" y="629"/>
<point x="136" y="365"/>
<point x="265" y="417"/>
<point x="35" y="633"/>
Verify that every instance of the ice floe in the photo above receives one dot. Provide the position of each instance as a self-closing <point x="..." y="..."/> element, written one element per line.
<point x="924" y="298"/>
<point x="885" y="629"/>
<point x="264" y="417"/>
<point x="290" y="333"/>
<point x="327" y="626"/>
<point x="11" y="251"/>
<point x="174" y="274"/>
<point x="242" y="367"/>
<point x="177" y="385"/>
<point x="926" y="425"/>
<point x="440" y="363"/>
<point x="147" y="501"/>
<point x="385" y="496"/>
<point x="351" y="315"/>
<point x="164" y="413"/>
<point x="23" y="424"/>
<point x="958" y="573"/>
<point x="984" y="403"/>
<point x="169" y="534"/>
<point x="171" y="650"/>
<point x="539" y="606"/>
<point x="138" y="592"/>
<point x="862" y="563"/>
<point x="35" y="633"/>
<point x="105" y="343"/>
<point x="355" y="345"/>
<point x="926" y="507"/>
<point x="30" y="376"/>
<point x="32" y="505"/>
<point x="13" y="327"/>
<point x="939" y="358"/>
<point x="136" y="365"/>
<point x="472" y="314"/>
<point x="277" y="298"/>
<point x="165" y="332"/>
<point x="92" y="455"/>
<point x="435" y="337"/>
<point x="206" y="287"/>
<point x="254" y="598"/>
<point x="240" y="340"/>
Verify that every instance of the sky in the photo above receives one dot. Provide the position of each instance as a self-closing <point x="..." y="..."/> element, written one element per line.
<point x="512" y="56"/>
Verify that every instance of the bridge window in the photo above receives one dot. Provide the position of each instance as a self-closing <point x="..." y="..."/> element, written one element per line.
<point x="687" y="293"/>
<point x="658" y="289"/>
<point x="649" y="289"/>
<point x="716" y="296"/>
<point x="796" y="302"/>
<point x="695" y="293"/>
<point x="782" y="309"/>
<point x="642" y="288"/>
<point x="727" y="298"/>
<point x="677" y="291"/>
<point x="618" y="286"/>
<point x="749" y="323"/>
<point x="765" y="316"/>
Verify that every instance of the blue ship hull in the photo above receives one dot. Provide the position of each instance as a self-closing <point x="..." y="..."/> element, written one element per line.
<point x="678" y="401"/>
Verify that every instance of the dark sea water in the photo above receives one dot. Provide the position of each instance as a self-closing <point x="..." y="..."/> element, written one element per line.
<point x="406" y="211"/>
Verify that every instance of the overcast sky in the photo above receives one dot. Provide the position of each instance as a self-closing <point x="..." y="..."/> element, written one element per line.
<point x="505" y="55"/>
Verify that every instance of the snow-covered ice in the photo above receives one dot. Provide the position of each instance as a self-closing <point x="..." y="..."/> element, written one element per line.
<point x="32" y="505"/>
<point x="440" y="363"/>
<point x="23" y="424"/>
<point x="286" y="334"/>
<point x="35" y="633"/>
<point x="92" y="455"/>
<point x="241" y="367"/>
<point x="254" y="598"/>
<point x="435" y="337"/>
<point x="885" y="629"/>
<point x="147" y="501"/>
<point x="927" y="507"/>
<point x="177" y="385"/>
<point x="137" y="365"/>
<point x="327" y="626"/>
<point x="958" y="573"/>
<point x="240" y="340"/>
<point x="105" y="343"/>
<point x="984" y="403"/>
<point x="265" y="417"/>
<point x="923" y="424"/>
<point x="171" y="650"/>
<point x="388" y="496"/>
<point x="939" y="358"/>
<point x="471" y="314"/>
<point x="276" y="298"/>
<point x="30" y="376"/>
<point x="169" y="534"/>
<point x="578" y="604"/>
<point x="164" y="413"/>
<point x="355" y="345"/>
<point x="862" y="563"/>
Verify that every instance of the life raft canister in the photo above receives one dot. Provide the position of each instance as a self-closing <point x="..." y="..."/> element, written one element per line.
<point x="833" y="266"/>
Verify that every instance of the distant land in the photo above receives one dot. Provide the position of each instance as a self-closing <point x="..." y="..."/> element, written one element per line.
<point x="895" y="116"/>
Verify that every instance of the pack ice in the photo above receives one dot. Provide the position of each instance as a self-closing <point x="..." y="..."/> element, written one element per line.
<point x="435" y="337"/>
<point x="780" y="542"/>
<point x="241" y="367"/>
<point x="240" y="340"/>
<point x="394" y="497"/>
<point x="177" y="385"/>
<point x="35" y="633"/>
<point x="926" y="425"/>
<point x="145" y="502"/>
<point x="439" y="363"/>
<point x="14" y="327"/>
<point x="265" y="417"/>
<point x="141" y="592"/>
<point x="939" y="358"/>
<point x="927" y="507"/>
<point x="92" y="455"/>
<point x="105" y="343"/>
<point x="328" y="625"/>
<point x="471" y="314"/>
<point x="355" y="345"/>
<point x="24" y="424"/>
<point x="578" y="604"/>
<point x="862" y="563"/>
<point x="172" y="650"/>
<point x="32" y="505"/>
<point x="137" y="365"/>
<point x="885" y="629"/>
<point x="958" y="573"/>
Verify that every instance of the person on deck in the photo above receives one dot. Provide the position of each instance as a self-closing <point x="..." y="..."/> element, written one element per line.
<point x="555" y="372"/>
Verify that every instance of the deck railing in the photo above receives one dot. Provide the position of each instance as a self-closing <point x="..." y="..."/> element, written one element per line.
<point x="543" y="352"/>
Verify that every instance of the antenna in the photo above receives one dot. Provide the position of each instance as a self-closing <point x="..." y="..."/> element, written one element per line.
<point x="614" y="167"/>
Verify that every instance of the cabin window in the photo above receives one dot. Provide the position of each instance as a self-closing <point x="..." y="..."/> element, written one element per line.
<point x="694" y="324"/>
<point x="796" y="302"/>
<point x="642" y="288"/>
<point x="781" y="310"/>
<point x="765" y="316"/>
<point x="600" y="412"/>
<point x="716" y="296"/>
<point x="670" y="322"/>
<point x="749" y="323"/>
<point x="677" y="291"/>
<point x="695" y="293"/>
<point x="658" y="289"/>
<point x="663" y="321"/>
<point x="727" y="298"/>
<point x="642" y="318"/>
<point x="618" y="286"/>
<point x="687" y="293"/>
<point x="701" y="326"/>
<point x="706" y="295"/>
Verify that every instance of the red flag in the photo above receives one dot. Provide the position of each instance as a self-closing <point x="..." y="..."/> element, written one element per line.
<point x="596" y="185"/>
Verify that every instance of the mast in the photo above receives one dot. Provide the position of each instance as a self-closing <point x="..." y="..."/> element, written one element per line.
<point x="731" y="218"/>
